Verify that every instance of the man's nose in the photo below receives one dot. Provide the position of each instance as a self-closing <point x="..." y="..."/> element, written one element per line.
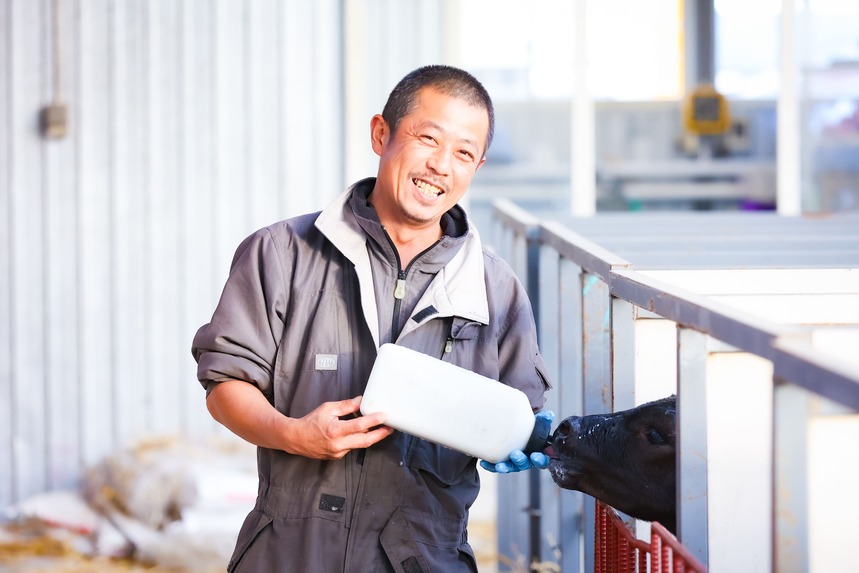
<point x="440" y="160"/>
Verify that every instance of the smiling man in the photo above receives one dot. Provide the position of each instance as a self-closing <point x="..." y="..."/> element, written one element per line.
<point x="308" y="302"/>
<point x="427" y="161"/>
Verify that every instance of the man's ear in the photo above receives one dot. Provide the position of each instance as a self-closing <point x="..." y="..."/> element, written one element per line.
<point x="379" y="133"/>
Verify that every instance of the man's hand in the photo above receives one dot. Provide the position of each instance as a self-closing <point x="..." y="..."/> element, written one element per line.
<point x="322" y="434"/>
<point x="332" y="429"/>
<point x="518" y="460"/>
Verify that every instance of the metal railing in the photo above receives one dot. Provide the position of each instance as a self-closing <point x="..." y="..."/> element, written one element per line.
<point x="616" y="550"/>
<point x="589" y="304"/>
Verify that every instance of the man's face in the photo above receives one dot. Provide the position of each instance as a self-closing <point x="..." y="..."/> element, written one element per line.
<point x="427" y="165"/>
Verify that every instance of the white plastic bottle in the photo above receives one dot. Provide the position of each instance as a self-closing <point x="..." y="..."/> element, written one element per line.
<point x="452" y="406"/>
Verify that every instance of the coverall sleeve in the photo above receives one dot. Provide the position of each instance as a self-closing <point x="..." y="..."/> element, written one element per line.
<point x="241" y="340"/>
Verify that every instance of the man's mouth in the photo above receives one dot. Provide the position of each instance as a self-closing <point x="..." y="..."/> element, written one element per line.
<point x="427" y="189"/>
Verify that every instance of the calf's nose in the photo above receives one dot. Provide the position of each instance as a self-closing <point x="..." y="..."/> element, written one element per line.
<point x="571" y="425"/>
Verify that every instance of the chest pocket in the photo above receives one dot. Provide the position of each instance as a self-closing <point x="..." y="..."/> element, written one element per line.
<point x="468" y="348"/>
<point x="460" y="333"/>
<point x="465" y="330"/>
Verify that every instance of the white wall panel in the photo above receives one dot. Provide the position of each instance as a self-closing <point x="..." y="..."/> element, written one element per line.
<point x="6" y="458"/>
<point x="199" y="282"/>
<point x="298" y="123"/>
<point x="62" y="392"/>
<point x="129" y="28"/>
<point x="27" y="251"/>
<point x="191" y="124"/>
<point x="163" y="225"/>
<point x="230" y="106"/>
<point x="264" y="189"/>
<point x="93" y="135"/>
<point x="327" y="110"/>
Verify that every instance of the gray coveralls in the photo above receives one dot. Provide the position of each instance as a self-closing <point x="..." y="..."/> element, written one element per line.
<point x="307" y="303"/>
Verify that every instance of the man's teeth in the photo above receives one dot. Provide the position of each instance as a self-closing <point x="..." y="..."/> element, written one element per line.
<point x="427" y="189"/>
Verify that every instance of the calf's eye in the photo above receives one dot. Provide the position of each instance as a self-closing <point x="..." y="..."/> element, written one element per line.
<point x="654" y="437"/>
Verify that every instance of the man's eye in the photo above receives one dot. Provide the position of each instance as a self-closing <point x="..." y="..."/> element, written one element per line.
<point x="428" y="138"/>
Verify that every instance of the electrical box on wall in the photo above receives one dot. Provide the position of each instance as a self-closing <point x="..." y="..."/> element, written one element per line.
<point x="53" y="121"/>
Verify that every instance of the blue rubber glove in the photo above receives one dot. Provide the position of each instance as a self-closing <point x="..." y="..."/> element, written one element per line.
<point x="518" y="461"/>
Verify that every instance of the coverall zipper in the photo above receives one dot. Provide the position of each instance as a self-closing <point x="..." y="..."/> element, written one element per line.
<point x="400" y="287"/>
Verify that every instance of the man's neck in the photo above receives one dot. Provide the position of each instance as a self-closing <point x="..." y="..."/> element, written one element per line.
<point x="411" y="242"/>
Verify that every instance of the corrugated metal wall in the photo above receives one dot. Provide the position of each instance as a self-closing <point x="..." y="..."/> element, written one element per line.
<point x="191" y="124"/>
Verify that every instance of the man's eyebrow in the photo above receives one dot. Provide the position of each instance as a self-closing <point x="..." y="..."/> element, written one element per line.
<point x="431" y="124"/>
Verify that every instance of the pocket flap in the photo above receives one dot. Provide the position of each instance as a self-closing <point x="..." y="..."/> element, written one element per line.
<point x="400" y="546"/>
<point x="254" y="523"/>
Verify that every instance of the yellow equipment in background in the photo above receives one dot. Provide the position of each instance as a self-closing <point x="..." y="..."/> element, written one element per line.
<point x="706" y="112"/>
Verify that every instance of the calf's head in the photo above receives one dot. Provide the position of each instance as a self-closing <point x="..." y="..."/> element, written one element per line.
<point x="625" y="459"/>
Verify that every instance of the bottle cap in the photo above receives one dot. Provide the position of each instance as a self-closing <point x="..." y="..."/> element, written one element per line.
<point x="539" y="439"/>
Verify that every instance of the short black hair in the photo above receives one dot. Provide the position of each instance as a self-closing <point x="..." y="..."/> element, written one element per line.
<point x="446" y="79"/>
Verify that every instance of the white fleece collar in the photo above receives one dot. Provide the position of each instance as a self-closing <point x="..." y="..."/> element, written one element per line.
<point x="459" y="289"/>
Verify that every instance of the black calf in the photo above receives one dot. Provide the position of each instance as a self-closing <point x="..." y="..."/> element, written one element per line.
<point x="625" y="459"/>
